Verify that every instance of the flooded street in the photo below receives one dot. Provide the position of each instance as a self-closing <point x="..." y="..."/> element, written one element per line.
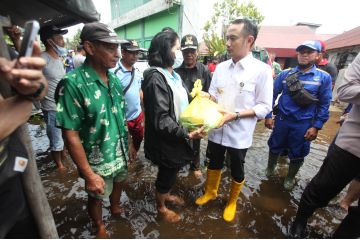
<point x="265" y="208"/>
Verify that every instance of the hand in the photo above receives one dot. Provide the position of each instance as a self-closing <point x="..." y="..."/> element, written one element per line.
<point x="269" y="123"/>
<point x="197" y="134"/>
<point x="311" y="134"/>
<point x="25" y="75"/>
<point x="204" y="94"/>
<point x="132" y="153"/>
<point x="342" y="119"/>
<point x="95" y="183"/>
<point x="227" y="117"/>
<point x="207" y="95"/>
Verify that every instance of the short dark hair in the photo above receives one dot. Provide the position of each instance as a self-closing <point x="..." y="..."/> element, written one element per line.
<point x="79" y="48"/>
<point x="249" y="28"/>
<point x="160" y="54"/>
<point x="167" y="29"/>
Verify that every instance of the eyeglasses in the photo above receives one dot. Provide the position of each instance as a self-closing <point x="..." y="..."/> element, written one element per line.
<point x="189" y="50"/>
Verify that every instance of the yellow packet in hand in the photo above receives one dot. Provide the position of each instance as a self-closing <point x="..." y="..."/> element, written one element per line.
<point x="200" y="112"/>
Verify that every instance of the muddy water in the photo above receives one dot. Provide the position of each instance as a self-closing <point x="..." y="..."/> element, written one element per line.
<point x="264" y="207"/>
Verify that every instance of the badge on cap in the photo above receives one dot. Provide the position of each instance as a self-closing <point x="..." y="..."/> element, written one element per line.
<point x="189" y="40"/>
<point x="134" y="43"/>
<point x="20" y="164"/>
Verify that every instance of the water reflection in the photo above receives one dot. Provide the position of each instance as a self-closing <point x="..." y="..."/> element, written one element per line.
<point x="264" y="207"/>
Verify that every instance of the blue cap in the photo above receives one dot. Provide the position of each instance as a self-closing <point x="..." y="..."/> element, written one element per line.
<point x="315" y="45"/>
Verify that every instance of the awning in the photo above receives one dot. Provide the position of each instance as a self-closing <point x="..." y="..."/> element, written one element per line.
<point x="282" y="52"/>
<point x="62" y="13"/>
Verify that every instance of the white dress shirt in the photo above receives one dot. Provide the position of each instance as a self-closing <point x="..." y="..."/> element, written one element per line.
<point x="247" y="84"/>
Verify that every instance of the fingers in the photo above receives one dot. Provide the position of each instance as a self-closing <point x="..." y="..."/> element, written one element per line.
<point x="29" y="74"/>
<point x="6" y="65"/>
<point x="36" y="50"/>
<point x="32" y="62"/>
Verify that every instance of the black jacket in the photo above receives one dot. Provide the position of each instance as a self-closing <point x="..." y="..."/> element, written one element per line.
<point x="165" y="140"/>
<point x="190" y="75"/>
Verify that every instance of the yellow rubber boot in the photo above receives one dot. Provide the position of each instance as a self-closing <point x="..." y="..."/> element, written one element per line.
<point x="230" y="209"/>
<point x="211" y="187"/>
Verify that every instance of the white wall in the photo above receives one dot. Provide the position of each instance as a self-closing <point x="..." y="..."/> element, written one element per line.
<point x="191" y="23"/>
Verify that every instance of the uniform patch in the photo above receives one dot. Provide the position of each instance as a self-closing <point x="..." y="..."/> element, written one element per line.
<point x="20" y="164"/>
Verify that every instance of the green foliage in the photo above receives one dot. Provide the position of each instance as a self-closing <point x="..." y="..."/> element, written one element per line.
<point x="72" y="43"/>
<point x="8" y="40"/>
<point x="225" y="12"/>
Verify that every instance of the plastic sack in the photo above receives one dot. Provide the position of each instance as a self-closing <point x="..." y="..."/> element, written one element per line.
<point x="200" y="112"/>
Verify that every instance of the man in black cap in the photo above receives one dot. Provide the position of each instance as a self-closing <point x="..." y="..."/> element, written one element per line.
<point x="130" y="79"/>
<point x="52" y="38"/>
<point x="189" y="71"/>
<point x="91" y="113"/>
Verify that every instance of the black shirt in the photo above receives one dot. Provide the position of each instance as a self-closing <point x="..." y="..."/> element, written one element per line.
<point x="331" y="69"/>
<point x="190" y="75"/>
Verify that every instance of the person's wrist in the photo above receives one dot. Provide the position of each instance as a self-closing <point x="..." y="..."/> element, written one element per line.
<point x="237" y="116"/>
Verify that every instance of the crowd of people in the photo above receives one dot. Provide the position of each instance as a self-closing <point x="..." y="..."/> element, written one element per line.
<point x="102" y="109"/>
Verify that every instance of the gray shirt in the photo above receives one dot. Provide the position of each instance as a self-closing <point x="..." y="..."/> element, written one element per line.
<point x="53" y="71"/>
<point x="349" y="134"/>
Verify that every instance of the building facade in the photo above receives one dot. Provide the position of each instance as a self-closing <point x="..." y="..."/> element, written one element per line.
<point x="140" y="20"/>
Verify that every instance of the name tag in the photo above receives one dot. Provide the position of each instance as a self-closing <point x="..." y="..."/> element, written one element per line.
<point x="20" y="164"/>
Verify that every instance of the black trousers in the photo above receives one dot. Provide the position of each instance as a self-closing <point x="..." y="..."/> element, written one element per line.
<point x="165" y="179"/>
<point x="195" y="165"/>
<point x="216" y="153"/>
<point x="339" y="168"/>
<point x="16" y="219"/>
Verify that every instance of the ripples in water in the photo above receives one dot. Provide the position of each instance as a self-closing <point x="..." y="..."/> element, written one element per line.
<point x="265" y="209"/>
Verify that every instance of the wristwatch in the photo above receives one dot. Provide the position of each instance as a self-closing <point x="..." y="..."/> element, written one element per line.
<point x="237" y="116"/>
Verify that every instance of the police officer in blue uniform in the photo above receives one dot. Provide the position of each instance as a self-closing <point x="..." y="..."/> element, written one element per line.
<point x="302" y="110"/>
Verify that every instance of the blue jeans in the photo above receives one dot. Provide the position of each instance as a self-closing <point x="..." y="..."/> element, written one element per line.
<point x="53" y="133"/>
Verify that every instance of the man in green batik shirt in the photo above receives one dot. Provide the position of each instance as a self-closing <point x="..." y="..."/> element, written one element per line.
<point x="91" y="113"/>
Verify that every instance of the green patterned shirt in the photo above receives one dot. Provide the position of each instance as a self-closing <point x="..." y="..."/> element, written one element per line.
<point x="85" y="104"/>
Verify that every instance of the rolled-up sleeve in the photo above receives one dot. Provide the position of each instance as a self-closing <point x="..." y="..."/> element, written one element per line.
<point x="349" y="90"/>
<point x="263" y="94"/>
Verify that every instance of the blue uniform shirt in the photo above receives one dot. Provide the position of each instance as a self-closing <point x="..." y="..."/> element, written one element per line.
<point x="132" y="96"/>
<point x="315" y="81"/>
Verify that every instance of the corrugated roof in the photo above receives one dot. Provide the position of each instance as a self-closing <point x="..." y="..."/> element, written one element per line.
<point x="284" y="39"/>
<point x="347" y="39"/>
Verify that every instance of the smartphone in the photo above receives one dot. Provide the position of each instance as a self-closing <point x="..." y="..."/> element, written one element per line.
<point x="31" y="31"/>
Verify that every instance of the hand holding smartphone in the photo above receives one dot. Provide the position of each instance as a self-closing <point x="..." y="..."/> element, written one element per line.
<point x="31" y="30"/>
<point x="30" y="81"/>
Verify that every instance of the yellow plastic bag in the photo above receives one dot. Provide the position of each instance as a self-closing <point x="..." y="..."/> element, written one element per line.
<point x="200" y="112"/>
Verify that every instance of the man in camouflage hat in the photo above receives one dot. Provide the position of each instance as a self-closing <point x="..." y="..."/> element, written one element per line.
<point x="91" y="113"/>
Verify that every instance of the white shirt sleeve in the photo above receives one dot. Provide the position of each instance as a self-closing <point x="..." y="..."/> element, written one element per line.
<point x="263" y="94"/>
<point x="213" y="85"/>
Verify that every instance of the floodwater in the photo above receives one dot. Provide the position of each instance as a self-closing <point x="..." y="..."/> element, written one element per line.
<point x="265" y="208"/>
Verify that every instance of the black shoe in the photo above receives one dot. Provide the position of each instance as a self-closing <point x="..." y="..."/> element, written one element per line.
<point x="297" y="230"/>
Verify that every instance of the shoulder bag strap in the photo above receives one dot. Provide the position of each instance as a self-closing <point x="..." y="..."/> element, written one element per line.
<point x="131" y="80"/>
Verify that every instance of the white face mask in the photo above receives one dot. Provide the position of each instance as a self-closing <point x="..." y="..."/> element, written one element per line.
<point x="178" y="59"/>
<point x="61" y="51"/>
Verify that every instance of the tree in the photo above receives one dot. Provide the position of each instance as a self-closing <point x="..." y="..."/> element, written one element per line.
<point x="72" y="43"/>
<point x="225" y="12"/>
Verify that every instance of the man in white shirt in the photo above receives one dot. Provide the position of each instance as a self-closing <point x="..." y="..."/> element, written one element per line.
<point x="79" y="57"/>
<point x="243" y="86"/>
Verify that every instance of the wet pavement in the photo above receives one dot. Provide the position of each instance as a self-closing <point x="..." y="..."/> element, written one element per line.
<point x="265" y="208"/>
